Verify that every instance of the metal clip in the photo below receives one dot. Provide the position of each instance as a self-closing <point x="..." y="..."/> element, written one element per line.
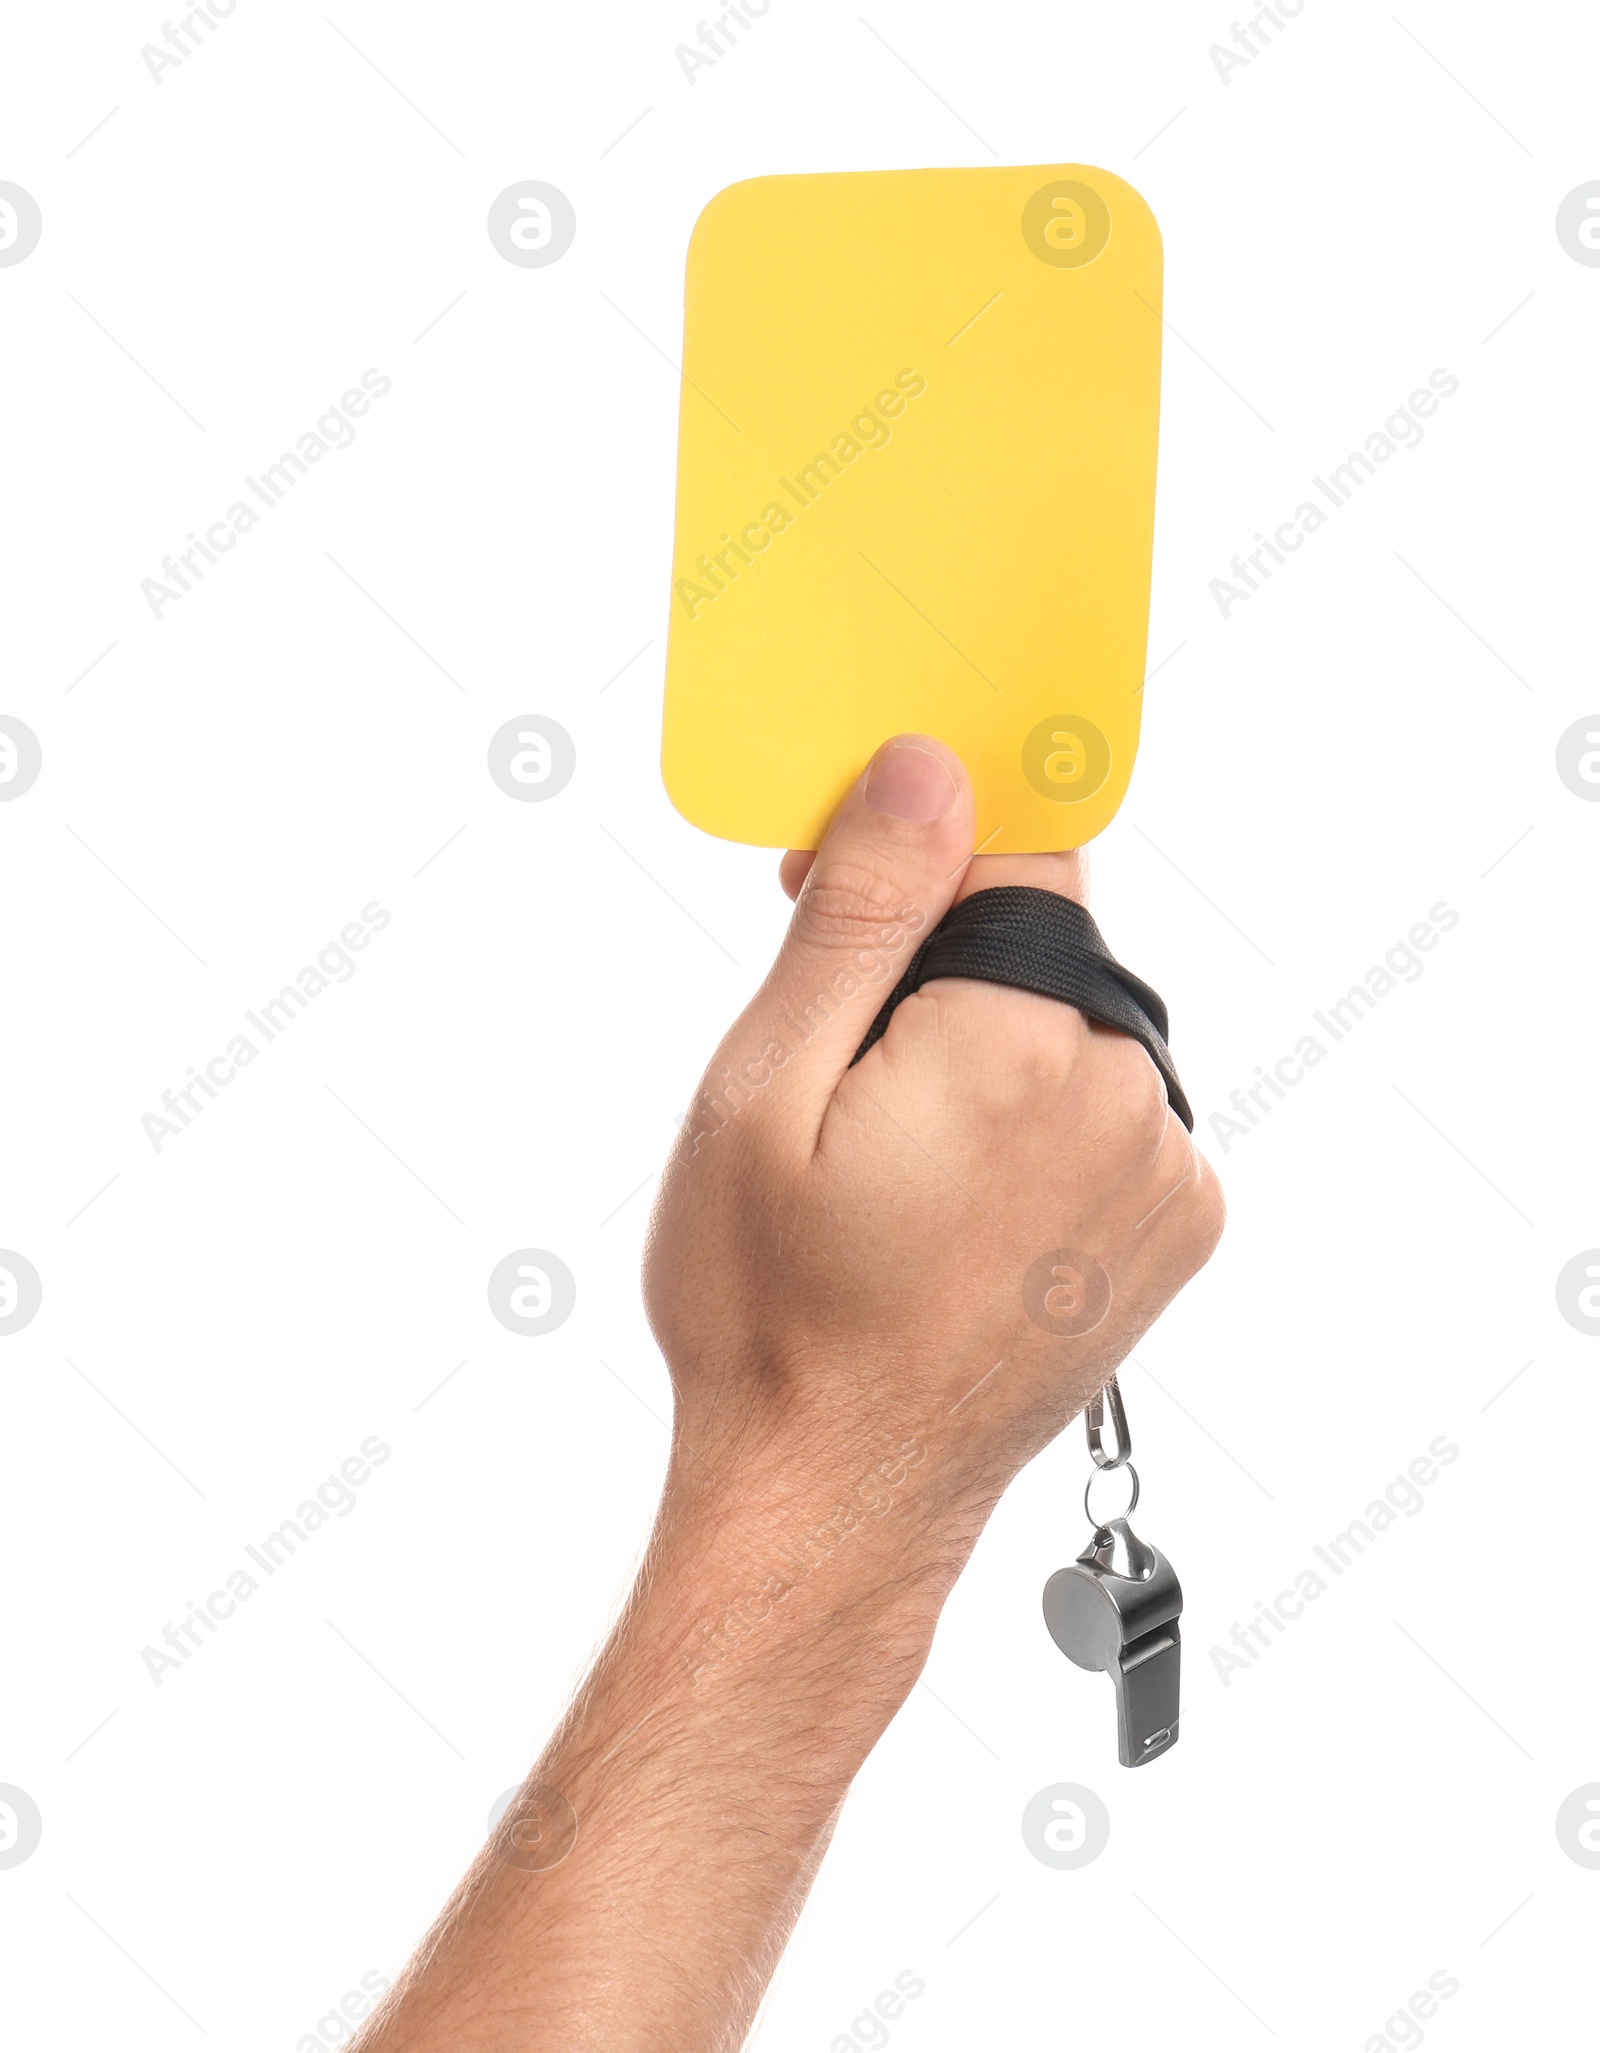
<point x="1094" y="1421"/>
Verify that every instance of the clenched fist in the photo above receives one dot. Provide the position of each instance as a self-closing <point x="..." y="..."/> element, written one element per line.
<point x="893" y="1283"/>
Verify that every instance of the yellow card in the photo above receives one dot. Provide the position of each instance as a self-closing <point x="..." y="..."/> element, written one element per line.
<point x="916" y="490"/>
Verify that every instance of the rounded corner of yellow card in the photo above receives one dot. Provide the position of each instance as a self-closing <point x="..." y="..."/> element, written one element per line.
<point x="916" y="493"/>
<point x="696" y="796"/>
<point x="723" y="206"/>
<point x="1132" y="212"/>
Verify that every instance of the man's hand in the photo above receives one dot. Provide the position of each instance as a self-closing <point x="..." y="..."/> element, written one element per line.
<point x="879" y="1290"/>
<point x="840" y="1254"/>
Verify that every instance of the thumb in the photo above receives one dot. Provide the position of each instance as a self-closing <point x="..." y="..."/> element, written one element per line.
<point x="885" y="875"/>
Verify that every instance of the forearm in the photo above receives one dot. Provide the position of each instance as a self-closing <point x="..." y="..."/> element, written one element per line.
<point x="642" y="1891"/>
<point x="872" y="1283"/>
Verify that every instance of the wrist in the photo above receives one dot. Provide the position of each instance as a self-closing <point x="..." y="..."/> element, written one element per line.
<point x="786" y="1567"/>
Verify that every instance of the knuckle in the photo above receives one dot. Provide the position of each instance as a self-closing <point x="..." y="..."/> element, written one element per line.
<point x="1013" y="1051"/>
<point x="1038" y="1040"/>
<point x="1211" y="1208"/>
<point x="1044" y="1039"/>
<point x="847" y="905"/>
<point x="1200" y="1213"/>
<point x="1134" y="1093"/>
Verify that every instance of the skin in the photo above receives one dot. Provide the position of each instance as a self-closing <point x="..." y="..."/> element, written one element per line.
<point x="837" y="1275"/>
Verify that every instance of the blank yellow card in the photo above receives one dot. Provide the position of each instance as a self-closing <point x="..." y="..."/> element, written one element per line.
<point x="916" y="490"/>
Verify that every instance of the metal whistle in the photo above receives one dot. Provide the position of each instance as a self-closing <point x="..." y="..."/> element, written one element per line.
<point x="1116" y="1609"/>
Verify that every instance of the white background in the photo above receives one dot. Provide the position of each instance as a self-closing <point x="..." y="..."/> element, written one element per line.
<point x="1372" y="733"/>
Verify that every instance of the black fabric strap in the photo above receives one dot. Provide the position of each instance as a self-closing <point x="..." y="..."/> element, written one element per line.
<point x="1040" y="941"/>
